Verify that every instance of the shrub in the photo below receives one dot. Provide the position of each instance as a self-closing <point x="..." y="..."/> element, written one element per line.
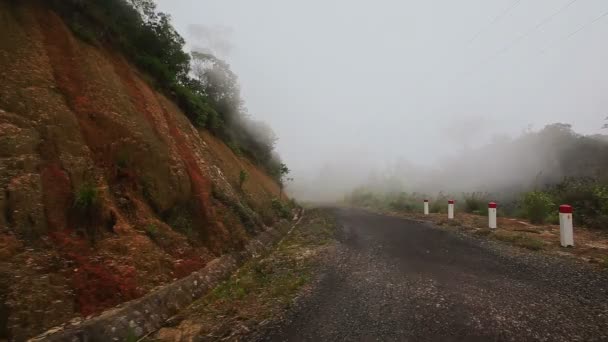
<point x="200" y="113"/>
<point x="83" y="32"/>
<point x="281" y="209"/>
<point x="476" y="203"/>
<point x="439" y="204"/>
<point x="537" y="206"/>
<point x="243" y="176"/>
<point x="362" y="197"/>
<point x="235" y="148"/>
<point x="293" y="204"/>
<point x="588" y="197"/>
<point x="403" y="202"/>
<point x="86" y="197"/>
<point x="153" y="232"/>
<point x="86" y="204"/>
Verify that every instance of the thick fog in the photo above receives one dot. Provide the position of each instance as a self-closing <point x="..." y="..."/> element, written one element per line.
<point x="354" y="89"/>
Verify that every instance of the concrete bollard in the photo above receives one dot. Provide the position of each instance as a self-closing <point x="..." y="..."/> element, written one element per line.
<point x="566" y="232"/>
<point x="450" y="209"/>
<point x="492" y="215"/>
<point x="426" y="207"/>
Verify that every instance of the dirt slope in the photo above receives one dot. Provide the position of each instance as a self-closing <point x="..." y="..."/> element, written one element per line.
<point x="106" y="189"/>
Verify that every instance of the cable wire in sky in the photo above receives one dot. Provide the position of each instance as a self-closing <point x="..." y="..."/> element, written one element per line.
<point x="499" y="17"/>
<point x="579" y="29"/>
<point x="526" y="34"/>
<point x="563" y="38"/>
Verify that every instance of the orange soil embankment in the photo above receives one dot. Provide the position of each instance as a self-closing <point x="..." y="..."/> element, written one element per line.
<point x="166" y="196"/>
<point x="97" y="286"/>
<point x="201" y="188"/>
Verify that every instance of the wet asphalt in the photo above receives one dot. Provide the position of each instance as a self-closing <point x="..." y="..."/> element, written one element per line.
<point x="393" y="279"/>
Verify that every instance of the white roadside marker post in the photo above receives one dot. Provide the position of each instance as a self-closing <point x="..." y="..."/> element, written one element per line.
<point x="450" y="209"/>
<point x="426" y="207"/>
<point x="566" y="233"/>
<point x="492" y="215"/>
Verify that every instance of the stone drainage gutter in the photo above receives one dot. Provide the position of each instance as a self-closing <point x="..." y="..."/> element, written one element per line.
<point x="147" y="314"/>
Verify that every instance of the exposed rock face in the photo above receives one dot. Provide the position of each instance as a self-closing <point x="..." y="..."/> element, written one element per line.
<point x="106" y="189"/>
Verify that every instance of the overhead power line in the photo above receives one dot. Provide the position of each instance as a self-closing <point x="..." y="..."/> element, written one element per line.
<point x="526" y="34"/>
<point x="568" y="36"/>
<point x="573" y="33"/>
<point x="498" y="18"/>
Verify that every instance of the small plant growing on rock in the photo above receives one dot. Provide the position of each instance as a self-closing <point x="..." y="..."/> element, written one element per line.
<point x="86" y="203"/>
<point x="123" y="160"/>
<point x="153" y="232"/>
<point x="86" y="198"/>
<point x="235" y="148"/>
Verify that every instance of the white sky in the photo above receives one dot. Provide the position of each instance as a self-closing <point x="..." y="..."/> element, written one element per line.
<point x="364" y="83"/>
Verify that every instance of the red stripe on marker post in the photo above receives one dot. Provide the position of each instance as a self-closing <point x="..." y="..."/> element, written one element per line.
<point x="566" y="230"/>
<point x="450" y="209"/>
<point x="426" y="201"/>
<point x="492" y="215"/>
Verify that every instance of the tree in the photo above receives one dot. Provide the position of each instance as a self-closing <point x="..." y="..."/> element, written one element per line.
<point x="146" y="8"/>
<point x="283" y="172"/>
<point x="214" y="79"/>
<point x="219" y="84"/>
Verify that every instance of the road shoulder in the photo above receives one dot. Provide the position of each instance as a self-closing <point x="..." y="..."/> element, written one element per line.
<point x="262" y="291"/>
<point x="591" y="246"/>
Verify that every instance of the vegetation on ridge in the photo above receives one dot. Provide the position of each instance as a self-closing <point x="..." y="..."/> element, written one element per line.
<point x="201" y="84"/>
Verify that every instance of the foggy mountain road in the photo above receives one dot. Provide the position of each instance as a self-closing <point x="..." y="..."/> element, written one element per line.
<point x="399" y="280"/>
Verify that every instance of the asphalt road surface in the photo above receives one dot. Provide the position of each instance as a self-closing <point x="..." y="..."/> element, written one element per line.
<point x="394" y="279"/>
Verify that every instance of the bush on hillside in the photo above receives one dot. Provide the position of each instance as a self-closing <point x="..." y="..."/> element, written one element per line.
<point x="281" y="209"/>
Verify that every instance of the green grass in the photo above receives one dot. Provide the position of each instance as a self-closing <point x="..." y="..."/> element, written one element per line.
<point x="527" y="230"/>
<point x="154" y="233"/>
<point x="520" y="240"/>
<point x="605" y="261"/>
<point x="264" y="286"/>
<point x="482" y="232"/>
<point x="529" y="243"/>
<point x="501" y="236"/>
